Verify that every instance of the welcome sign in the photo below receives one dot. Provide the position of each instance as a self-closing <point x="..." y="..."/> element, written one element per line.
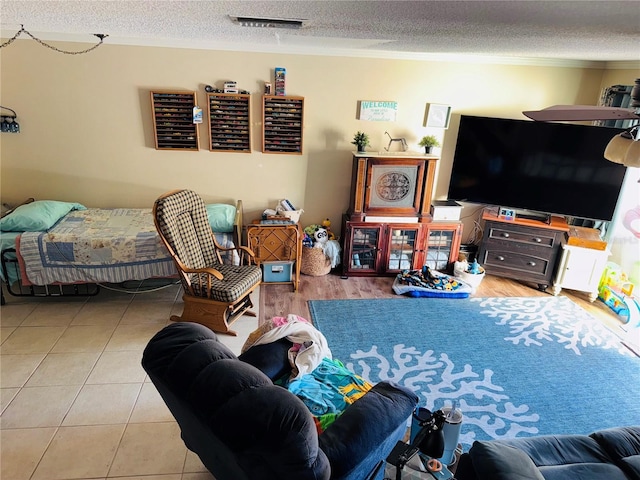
<point x="373" y="111"/>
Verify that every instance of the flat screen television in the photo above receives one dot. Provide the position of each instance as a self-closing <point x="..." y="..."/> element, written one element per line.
<point x="551" y="168"/>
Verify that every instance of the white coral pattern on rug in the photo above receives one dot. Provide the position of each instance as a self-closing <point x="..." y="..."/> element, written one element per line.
<point x="483" y="403"/>
<point x="534" y="320"/>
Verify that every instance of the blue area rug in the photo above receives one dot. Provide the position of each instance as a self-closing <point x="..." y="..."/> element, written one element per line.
<point x="516" y="366"/>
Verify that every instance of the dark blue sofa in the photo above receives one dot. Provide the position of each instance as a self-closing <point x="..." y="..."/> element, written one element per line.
<point x="243" y="427"/>
<point x="612" y="454"/>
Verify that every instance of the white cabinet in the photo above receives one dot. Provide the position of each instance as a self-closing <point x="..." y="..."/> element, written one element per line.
<point x="580" y="269"/>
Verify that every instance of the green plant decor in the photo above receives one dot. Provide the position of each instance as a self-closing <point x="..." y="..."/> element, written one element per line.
<point x="361" y="140"/>
<point x="429" y="141"/>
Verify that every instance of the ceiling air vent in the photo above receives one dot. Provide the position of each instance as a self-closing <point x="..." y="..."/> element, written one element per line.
<point x="294" y="23"/>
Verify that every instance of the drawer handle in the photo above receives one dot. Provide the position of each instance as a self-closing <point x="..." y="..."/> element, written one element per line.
<point x="505" y="235"/>
<point x="500" y="257"/>
<point x="531" y="264"/>
<point x="537" y="240"/>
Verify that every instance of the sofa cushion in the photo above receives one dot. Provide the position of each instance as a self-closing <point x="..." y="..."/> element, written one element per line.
<point x="623" y="445"/>
<point x="583" y="471"/>
<point x="497" y="461"/>
<point x="561" y="457"/>
<point x="560" y="449"/>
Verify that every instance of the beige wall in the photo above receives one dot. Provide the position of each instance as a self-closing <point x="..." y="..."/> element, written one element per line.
<point x="86" y="128"/>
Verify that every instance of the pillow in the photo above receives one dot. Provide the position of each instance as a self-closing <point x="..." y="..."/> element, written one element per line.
<point x="221" y="217"/>
<point x="496" y="461"/>
<point x="37" y="216"/>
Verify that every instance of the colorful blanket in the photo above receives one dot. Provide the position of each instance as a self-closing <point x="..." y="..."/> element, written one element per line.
<point x="328" y="390"/>
<point x="96" y="245"/>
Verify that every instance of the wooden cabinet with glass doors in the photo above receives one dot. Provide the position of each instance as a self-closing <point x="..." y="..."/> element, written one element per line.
<point x="387" y="227"/>
<point x="441" y="244"/>
<point x="372" y="249"/>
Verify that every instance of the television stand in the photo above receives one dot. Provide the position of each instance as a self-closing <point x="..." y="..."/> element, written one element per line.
<point x="541" y="217"/>
<point x="522" y="249"/>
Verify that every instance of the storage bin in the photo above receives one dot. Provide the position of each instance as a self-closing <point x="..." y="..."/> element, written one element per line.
<point x="314" y="262"/>
<point x="277" y="271"/>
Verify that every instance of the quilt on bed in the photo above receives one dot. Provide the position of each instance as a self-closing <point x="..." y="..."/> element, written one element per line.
<point x="96" y="245"/>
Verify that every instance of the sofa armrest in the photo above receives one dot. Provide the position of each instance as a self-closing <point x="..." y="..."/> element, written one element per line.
<point x="375" y="419"/>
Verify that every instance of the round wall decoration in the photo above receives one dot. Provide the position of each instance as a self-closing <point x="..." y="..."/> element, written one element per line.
<point x="393" y="186"/>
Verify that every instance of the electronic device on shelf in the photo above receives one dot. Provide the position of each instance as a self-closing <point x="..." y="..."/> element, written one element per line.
<point x="552" y="168"/>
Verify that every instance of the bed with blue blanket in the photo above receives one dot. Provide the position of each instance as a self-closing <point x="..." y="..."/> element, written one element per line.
<point x="46" y="243"/>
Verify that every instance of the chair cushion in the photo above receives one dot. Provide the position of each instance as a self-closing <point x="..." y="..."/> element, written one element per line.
<point x="237" y="279"/>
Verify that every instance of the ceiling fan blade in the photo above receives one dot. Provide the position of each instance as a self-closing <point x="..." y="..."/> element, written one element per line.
<point x="559" y="113"/>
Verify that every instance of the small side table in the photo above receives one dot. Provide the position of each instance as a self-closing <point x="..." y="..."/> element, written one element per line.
<point x="277" y="242"/>
<point x="580" y="269"/>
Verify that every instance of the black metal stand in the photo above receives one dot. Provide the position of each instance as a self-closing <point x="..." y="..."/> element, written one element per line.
<point x="429" y="440"/>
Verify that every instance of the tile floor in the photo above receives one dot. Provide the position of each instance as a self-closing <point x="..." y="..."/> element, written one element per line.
<point x="75" y="401"/>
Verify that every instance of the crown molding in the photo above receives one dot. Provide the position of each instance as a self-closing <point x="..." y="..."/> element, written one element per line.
<point x="366" y="50"/>
<point x="623" y="65"/>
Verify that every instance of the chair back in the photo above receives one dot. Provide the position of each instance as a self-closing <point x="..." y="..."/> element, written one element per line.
<point x="182" y="223"/>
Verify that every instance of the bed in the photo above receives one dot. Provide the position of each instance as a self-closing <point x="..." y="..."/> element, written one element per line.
<point x="53" y="248"/>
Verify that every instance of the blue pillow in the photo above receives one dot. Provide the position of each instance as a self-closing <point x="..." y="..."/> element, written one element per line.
<point x="221" y="217"/>
<point x="37" y="216"/>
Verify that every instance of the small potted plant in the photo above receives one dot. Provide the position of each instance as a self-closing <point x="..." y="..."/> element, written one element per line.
<point x="361" y="140"/>
<point x="428" y="142"/>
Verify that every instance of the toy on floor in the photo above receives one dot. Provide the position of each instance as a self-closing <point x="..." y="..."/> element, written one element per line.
<point x="429" y="283"/>
<point x="616" y="291"/>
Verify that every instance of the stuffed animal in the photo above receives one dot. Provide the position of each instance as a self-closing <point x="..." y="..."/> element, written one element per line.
<point x="311" y="229"/>
<point x="307" y="241"/>
<point x="326" y="223"/>
<point x="321" y="237"/>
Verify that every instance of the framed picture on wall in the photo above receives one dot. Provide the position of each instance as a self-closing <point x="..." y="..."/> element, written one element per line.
<point x="437" y="115"/>
<point x="394" y="186"/>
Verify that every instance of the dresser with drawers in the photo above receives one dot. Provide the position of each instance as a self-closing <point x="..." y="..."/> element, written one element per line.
<point x="522" y="249"/>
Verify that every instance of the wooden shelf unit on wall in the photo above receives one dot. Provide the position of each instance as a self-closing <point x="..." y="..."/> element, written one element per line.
<point x="282" y="123"/>
<point x="229" y="122"/>
<point x="173" y="125"/>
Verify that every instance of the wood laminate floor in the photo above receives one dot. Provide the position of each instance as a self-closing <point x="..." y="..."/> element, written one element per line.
<point x="280" y="300"/>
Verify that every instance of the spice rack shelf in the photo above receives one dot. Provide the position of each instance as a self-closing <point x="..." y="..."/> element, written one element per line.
<point x="282" y="121"/>
<point x="229" y="122"/>
<point x="173" y="120"/>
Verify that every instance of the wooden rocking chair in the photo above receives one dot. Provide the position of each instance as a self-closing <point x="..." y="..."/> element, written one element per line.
<point x="215" y="294"/>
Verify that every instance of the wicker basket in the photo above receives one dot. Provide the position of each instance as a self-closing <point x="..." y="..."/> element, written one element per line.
<point x="314" y="262"/>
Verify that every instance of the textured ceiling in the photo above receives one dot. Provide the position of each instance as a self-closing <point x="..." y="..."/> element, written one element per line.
<point x="559" y="30"/>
